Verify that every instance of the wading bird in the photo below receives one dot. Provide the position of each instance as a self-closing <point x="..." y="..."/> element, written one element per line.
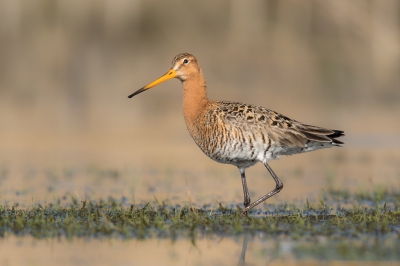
<point x="237" y="133"/>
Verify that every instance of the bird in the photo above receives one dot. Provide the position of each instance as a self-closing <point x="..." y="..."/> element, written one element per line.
<point x="240" y="134"/>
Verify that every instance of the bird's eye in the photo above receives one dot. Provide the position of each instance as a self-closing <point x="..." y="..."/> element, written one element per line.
<point x="185" y="61"/>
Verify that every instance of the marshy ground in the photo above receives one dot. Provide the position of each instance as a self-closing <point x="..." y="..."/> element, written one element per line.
<point x="323" y="221"/>
<point x="340" y="226"/>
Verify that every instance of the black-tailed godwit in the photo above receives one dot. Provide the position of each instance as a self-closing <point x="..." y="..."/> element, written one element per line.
<point x="237" y="133"/>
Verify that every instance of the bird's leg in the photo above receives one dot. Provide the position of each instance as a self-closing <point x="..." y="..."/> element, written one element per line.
<point x="279" y="186"/>
<point x="245" y="189"/>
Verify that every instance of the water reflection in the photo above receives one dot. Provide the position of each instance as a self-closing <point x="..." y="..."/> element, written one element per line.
<point x="204" y="251"/>
<point x="246" y="249"/>
<point x="242" y="259"/>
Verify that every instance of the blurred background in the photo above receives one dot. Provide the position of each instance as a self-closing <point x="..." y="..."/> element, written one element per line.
<point x="67" y="67"/>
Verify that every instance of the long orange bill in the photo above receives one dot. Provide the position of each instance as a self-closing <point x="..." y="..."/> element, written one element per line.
<point x="169" y="75"/>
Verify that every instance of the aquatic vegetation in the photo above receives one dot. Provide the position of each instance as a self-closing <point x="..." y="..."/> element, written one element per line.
<point x="116" y="219"/>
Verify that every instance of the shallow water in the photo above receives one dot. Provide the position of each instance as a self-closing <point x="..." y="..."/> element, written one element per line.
<point x="199" y="180"/>
<point x="357" y="171"/>
<point x="243" y="250"/>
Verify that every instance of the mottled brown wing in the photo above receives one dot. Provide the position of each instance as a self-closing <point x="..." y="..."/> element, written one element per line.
<point x="279" y="128"/>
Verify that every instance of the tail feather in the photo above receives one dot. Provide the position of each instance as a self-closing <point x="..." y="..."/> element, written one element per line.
<point x="316" y="137"/>
<point x="336" y="134"/>
<point x="322" y="135"/>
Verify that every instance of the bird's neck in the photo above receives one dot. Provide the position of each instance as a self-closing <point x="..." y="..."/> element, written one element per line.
<point x="194" y="97"/>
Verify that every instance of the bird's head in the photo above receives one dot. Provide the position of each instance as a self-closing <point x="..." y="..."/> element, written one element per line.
<point x="183" y="67"/>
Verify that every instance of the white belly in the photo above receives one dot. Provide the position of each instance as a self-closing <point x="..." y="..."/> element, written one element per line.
<point x="243" y="154"/>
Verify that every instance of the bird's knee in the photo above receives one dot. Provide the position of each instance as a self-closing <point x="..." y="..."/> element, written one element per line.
<point x="279" y="186"/>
